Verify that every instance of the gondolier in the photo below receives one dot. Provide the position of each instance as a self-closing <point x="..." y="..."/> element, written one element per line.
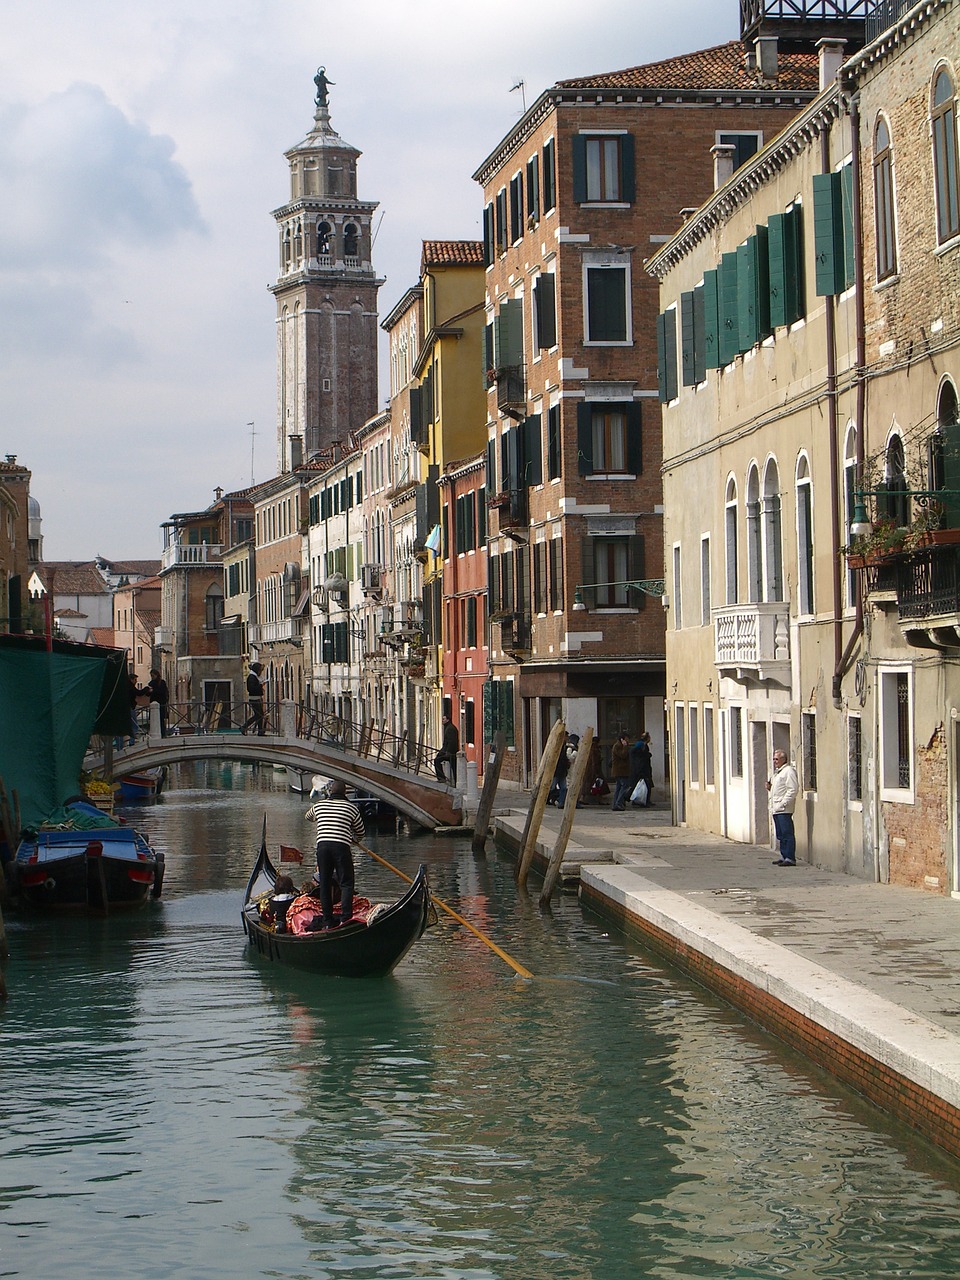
<point x="338" y="827"/>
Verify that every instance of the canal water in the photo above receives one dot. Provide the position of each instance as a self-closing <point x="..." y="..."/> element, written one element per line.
<point x="172" y="1106"/>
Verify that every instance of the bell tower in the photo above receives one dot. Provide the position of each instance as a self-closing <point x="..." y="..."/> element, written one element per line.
<point x="326" y="294"/>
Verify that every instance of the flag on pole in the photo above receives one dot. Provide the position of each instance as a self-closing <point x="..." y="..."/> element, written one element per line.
<point x="289" y="854"/>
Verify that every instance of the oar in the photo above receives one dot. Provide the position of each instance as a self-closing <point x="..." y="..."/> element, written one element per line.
<point x="524" y="973"/>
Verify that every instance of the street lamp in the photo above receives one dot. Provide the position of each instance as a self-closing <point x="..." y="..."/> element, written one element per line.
<point x="649" y="587"/>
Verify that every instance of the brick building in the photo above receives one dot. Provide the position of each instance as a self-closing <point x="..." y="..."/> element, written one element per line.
<point x="589" y="182"/>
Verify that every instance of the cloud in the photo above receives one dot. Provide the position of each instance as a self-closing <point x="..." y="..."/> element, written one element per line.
<point x="80" y="177"/>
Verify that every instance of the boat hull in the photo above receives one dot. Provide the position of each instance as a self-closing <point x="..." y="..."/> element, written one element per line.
<point x="95" y="870"/>
<point x="354" y="950"/>
<point x="142" y="786"/>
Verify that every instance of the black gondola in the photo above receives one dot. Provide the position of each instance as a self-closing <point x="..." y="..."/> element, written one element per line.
<point x="354" y="950"/>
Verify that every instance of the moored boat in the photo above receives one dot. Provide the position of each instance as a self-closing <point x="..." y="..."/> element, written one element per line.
<point x="372" y="943"/>
<point x="146" y="784"/>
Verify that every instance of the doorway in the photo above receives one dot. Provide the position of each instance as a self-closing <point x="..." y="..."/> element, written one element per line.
<point x="679" y="752"/>
<point x="760" y="772"/>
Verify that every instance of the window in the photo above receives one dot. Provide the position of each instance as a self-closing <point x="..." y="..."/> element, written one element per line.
<point x="854" y="758"/>
<point x="692" y="711"/>
<point x="603" y="168"/>
<point x="540" y="577"/>
<point x="745" y="144"/>
<point x="533" y="190"/>
<point x="516" y="208"/>
<point x="883" y="207"/>
<point x="808" y="731"/>
<point x="213" y="608"/>
<point x="351" y="241"/>
<point x="945" y="176"/>
<point x="608" y="438"/>
<point x="772" y="538"/>
<point x="894" y="502"/>
<point x="693" y="350"/>
<point x="731" y="519"/>
<point x="705" y="581"/>
<point x="555" y="558"/>
<point x="709" y="766"/>
<point x="944" y="455"/>
<point x="607" y="316"/>
<point x="324" y="239"/>
<point x="498" y="710"/>
<point x="785" y="267"/>
<point x="896" y="734"/>
<point x="804" y="537"/>
<point x="736" y="742"/>
<point x="501" y="220"/>
<point x="609" y="562"/>
<point x="553" y="442"/>
<point x="489" y="236"/>
<point x="549" y="177"/>
<point x="470" y="622"/>
<point x="754" y="538"/>
<point x="677" y="594"/>
<point x="545" y="311"/>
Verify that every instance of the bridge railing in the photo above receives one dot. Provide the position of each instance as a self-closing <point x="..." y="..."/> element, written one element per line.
<point x="366" y="739"/>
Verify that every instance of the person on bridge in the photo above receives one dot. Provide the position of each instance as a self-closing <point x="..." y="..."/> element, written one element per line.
<point x="339" y="825"/>
<point x="255" y="698"/>
<point x="160" y="694"/>
<point x="448" y="751"/>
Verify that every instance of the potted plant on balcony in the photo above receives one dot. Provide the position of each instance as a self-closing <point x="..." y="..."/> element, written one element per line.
<point x="884" y="540"/>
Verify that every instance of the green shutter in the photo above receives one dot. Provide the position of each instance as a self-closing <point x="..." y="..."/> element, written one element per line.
<point x="585" y="439"/>
<point x="634" y="438"/>
<point x="764" y="328"/>
<point x="729" y="320"/>
<point x="699" y="348"/>
<point x="687" y="340"/>
<point x="628" y="167"/>
<point x="579" y="168"/>
<point x="667" y="355"/>
<point x="544" y="290"/>
<point x="828" y="233"/>
<point x="711" y="320"/>
<point x="747" y="294"/>
<point x="785" y="268"/>
<point x="488" y="357"/>
<point x="636" y="570"/>
<point x="508" y="335"/>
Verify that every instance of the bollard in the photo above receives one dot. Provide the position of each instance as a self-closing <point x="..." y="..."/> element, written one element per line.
<point x="472" y="790"/>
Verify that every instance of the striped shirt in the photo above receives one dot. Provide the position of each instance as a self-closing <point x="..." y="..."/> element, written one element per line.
<point x="337" y="820"/>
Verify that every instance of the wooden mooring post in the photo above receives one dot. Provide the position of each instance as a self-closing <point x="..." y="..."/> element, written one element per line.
<point x="538" y="799"/>
<point x="488" y="794"/>
<point x="574" y="787"/>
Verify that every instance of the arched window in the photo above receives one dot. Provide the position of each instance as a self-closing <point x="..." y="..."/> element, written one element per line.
<point x="297" y="242"/>
<point x="894" y="504"/>
<point x="730" y="541"/>
<point x="945" y="455"/>
<point x="213" y="607"/>
<point x="804" y="537"/>
<point x="285" y="256"/>
<point x="324" y="239"/>
<point x="772" y="536"/>
<point x="754" y="538"/>
<point x="883" y="207"/>
<point x="351" y="241"/>
<point x="945" y="178"/>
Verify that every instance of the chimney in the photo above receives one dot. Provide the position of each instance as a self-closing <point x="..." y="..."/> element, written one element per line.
<point x="723" y="156"/>
<point x="831" y="60"/>
<point x="767" y="56"/>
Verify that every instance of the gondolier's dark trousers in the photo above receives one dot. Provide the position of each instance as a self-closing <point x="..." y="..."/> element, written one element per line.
<point x="335" y="858"/>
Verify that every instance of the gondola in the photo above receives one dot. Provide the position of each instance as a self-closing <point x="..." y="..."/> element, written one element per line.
<point x="358" y="949"/>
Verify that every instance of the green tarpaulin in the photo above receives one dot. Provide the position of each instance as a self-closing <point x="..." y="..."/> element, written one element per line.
<point x="50" y="704"/>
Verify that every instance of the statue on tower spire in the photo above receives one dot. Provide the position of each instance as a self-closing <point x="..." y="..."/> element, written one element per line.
<point x="322" y="83"/>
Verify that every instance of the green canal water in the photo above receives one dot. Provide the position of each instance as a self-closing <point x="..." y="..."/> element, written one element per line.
<point x="171" y="1106"/>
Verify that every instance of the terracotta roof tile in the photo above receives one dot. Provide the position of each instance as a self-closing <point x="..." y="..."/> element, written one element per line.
<point x="452" y="253"/>
<point x="72" y="577"/>
<point x="102" y="636"/>
<point x="722" y="67"/>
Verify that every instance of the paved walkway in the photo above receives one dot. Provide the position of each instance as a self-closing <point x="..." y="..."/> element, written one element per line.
<point x="870" y="966"/>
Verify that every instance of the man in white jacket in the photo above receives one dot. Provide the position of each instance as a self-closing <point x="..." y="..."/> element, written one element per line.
<point x="783" y="788"/>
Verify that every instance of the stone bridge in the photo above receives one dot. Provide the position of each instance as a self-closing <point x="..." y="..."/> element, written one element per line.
<point x="417" y="795"/>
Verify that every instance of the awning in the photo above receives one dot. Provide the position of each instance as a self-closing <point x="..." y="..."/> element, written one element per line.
<point x="232" y="621"/>
<point x="300" y="608"/>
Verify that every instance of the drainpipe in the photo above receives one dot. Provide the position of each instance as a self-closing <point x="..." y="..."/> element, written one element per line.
<point x="844" y="657"/>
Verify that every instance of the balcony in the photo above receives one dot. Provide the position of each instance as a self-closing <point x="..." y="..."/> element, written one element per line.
<point x="163" y="639"/>
<point x="189" y="555"/>
<point x="511" y="391"/>
<point x="753" y="641"/>
<point x="283" y="631"/>
<point x="928" y="596"/>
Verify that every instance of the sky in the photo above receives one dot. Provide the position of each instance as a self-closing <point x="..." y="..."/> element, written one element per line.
<point x="141" y="155"/>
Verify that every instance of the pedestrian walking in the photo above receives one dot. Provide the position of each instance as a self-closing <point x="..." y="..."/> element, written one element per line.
<point x="784" y="787"/>
<point x="255" y="698"/>
<point x="620" y="772"/>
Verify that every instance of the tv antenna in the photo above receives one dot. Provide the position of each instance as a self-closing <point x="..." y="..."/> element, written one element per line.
<point x="253" y="439"/>
<point x="521" y="85"/>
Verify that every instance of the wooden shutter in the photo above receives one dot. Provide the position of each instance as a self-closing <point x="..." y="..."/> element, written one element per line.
<point x="492" y="466"/>
<point x="532" y="451"/>
<point x="729" y="320"/>
<point x="540" y="578"/>
<point x="747" y="327"/>
<point x="606" y="304"/>
<point x="549" y="176"/>
<point x="636" y="569"/>
<point x="416" y="415"/>
<point x="632" y="414"/>
<point x="667" y="355"/>
<point x="481" y="518"/>
<point x="544" y="293"/>
<point x="847" y="197"/>
<point x="628" y="182"/>
<point x="553" y="442"/>
<point x="585" y="438"/>
<point x="828" y="233"/>
<point x="489" y="360"/>
<point x="687" y="340"/>
<point x="533" y="187"/>
<point x="711" y="320"/>
<point x="699" y="348"/>
<point x="489" y="251"/>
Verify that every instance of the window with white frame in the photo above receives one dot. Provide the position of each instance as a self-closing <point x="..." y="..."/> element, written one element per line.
<point x="731" y="521"/>
<point x="805" y="586"/>
<point x="606" y="300"/>
<point x="945" y="175"/>
<point x="754" y="538"/>
<point x="884" y="211"/>
<point x="854" y="759"/>
<point x="772" y="536"/>
<point x="736" y="741"/>
<point x="694" y="734"/>
<point x="808" y="740"/>
<point x="896" y="733"/>
<point x="709" y="760"/>
<point x="705" y="580"/>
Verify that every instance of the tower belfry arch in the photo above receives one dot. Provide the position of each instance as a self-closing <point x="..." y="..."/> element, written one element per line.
<point x="326" y="292"/>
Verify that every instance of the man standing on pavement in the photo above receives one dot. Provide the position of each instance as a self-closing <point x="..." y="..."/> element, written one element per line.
<point x="448" y="751"/>
<point x="339" y="825"/>
<point x="783" y="788"/>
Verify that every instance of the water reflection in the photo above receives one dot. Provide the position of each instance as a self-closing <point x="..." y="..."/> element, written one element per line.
<point x="173" y="1105"/>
